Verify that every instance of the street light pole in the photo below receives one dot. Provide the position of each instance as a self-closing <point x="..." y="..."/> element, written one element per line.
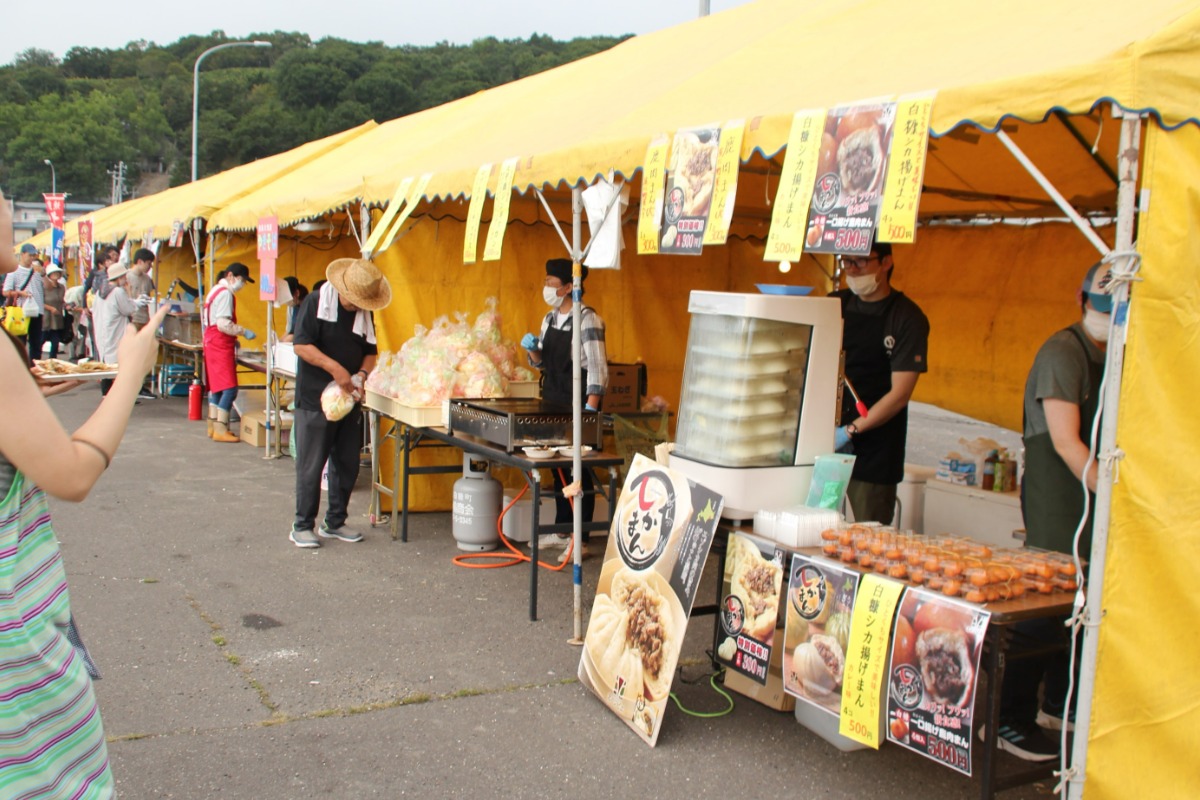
<point x="53" y="177"/>
<point x="196" y="90"/>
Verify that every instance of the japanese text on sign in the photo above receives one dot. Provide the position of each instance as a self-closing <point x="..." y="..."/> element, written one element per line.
<point x="495" y="237"/>
<point x="725" y="191"/>
<point x="650" y="213"/>
<point x="475" y="213"/>
<point x="866" y="659"/>
<point x="906" y="170"/>
<point x="789" y="216"/>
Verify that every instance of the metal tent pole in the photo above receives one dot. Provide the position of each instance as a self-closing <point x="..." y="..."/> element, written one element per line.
<point x="577" y="399"/>
<point x="1108" y="453"/>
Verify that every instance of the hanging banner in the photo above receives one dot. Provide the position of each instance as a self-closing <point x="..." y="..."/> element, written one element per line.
<point x="729" y="155"/>
<point x="691" y="177"/>
<point x="494" y="244"/>
<point x="651" y="209"/>
<point x="385" y="221"/>
<point x="785" y="240"/>
<point x="56" y="209"/>
<point x="820" y="605"/>
<point x="414" y="197"/>
<point x="933" y="675"/>
<point x="661" y="533"/>
<point x="906" y="170"/>
<point x="749" y="609"/>
<point x="475" y="213"/>
<point x="867" y="659"/>
<point x="852" y="164"/>
<point x="268" y="251"/>
<point x="177" y="230"/>
<point x="85" y="249"/>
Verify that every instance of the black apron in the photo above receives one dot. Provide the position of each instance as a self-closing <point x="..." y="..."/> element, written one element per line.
<point x="879" y="452"/>
<point x="556" y="364"/>
<point x="1051" y="495"/>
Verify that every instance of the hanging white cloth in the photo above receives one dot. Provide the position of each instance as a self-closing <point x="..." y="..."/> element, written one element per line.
<point x="327" y="311"/>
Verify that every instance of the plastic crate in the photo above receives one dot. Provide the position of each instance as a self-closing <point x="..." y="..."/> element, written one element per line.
<point x="639" y="434"/>
<point x="174" y="380"/>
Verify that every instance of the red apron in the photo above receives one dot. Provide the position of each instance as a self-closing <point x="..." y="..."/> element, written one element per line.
<point x="220" y="350"/>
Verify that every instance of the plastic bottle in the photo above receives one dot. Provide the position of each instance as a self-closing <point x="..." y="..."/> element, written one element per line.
<point x="989" y="470"/>
<point x="998" y="471"/>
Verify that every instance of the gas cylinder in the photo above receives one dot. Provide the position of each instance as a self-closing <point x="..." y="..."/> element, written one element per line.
<point x="195" y="395"/>
<point x="476" y="508"/>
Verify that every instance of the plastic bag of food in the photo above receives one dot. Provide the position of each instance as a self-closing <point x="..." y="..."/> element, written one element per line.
<point x="335" y="402"/>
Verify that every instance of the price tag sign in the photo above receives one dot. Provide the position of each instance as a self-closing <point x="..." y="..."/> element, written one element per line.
<point x="268" y="251"/>
<point x="866" y="659"/>
<point x="654" y="172"/>
<point x="475" y="213"/>
<point x="725" y="191"/>
<point x="495" y="237"/>
<point x="785" y="241"/>
<point x="906" y="170"/>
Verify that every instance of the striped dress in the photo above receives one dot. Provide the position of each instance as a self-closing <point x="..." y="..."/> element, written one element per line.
<point x="51" y="736"/>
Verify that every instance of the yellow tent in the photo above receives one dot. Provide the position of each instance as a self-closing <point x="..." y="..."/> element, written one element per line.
<point x="1045" y="72"/>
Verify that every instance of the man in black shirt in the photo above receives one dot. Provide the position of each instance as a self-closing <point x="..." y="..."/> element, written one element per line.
<point x="886" y="339"/>
<point x="334" y="342"/>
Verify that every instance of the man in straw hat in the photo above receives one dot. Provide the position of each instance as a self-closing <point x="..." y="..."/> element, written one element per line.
<point x="334" y="342"/>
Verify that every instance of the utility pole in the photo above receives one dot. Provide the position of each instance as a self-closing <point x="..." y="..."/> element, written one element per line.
<point x="117" y="174"/>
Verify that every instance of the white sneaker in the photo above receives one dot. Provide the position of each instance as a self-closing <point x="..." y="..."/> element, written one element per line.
<point x="548" y="541"/>
<point x="569" y="555"/>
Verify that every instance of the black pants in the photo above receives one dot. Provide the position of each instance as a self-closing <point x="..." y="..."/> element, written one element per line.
<point x="55" y="339"/>
<point x="318" y="440"/>
<point x="35" y="339"/>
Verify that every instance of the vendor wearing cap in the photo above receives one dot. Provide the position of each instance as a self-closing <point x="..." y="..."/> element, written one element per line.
<point x="886" y="339"/>
<point x="221" y="329"/>
<point x="334" y="342"/>
<point x="550" y="352"/>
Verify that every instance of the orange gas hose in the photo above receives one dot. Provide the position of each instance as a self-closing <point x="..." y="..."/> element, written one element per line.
<point x="514" y="556"/>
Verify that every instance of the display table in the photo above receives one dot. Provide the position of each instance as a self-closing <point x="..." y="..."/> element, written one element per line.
<point x="408" y="437"/>
<point x="275" y="387"/>
<point x="1003" y="642"/>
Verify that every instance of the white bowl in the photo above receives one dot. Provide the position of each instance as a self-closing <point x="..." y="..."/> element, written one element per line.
<point x="569" y="452"/>
<point x="538" y="452"/>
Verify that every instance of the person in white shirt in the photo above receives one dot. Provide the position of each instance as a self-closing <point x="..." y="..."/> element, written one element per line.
<point x="112" y="316"/>
<point x="23" y="287"/>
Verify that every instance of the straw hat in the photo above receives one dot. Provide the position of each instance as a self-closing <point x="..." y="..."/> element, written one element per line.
<point x="117" y="270"/>
<point x="360" y="282"/>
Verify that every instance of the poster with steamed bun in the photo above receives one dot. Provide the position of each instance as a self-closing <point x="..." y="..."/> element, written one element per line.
<point x="851" y="169"/>
<point x="933" y="675"/>
<point x="662" y="529"/>
<point x="820" y="605"/>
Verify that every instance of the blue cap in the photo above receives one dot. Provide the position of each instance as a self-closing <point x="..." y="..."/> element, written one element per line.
<point x="28" y="248"/>
<point x="1095" y="282"/>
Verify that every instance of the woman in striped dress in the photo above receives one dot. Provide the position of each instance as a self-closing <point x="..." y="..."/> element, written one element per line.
<point x="51" y="737"/>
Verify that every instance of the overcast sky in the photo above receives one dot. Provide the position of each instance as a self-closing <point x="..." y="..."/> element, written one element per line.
<point x="62" y="24"/>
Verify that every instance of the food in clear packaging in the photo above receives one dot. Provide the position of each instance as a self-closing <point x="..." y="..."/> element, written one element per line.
<point x="335" y="402"/>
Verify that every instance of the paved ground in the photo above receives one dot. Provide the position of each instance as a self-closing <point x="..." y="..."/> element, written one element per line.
<point x="238" y="666"/>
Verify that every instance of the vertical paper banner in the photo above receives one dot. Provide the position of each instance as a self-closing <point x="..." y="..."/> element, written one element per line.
<point x="475" y="213"/>
<point x="56" y="209"/>
<point x="414" y="197"/>
<point x="495" y="235"/>
<point x="906" y="170"/>
<point x="933" y="675"/>
<point x="176" y="233"/>
<point x="691" y="179"/>
<point x="725" y="191"/>
<point x="385" y="222"/>
<point x="661" y="533"/>
<point x="650" y="211"/>
<point x="866" y="659"/>
<point x="85" y="249"/>
<point x="789" y="216"/>
<point x="268" y="251"/>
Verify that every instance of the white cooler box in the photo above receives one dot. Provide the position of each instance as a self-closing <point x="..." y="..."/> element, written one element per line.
<point x="516" y="522"/>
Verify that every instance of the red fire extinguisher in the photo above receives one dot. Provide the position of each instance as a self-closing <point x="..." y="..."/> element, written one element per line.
<point x="195" y="393"/>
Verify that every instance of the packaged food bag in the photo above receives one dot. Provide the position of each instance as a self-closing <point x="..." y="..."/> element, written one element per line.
<point x="335" y="402"/>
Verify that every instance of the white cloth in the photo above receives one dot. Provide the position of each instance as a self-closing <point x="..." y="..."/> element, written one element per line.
<point x="112" y="316"/>
<point x="219" y="308"/>
<point x="327" y="311"/>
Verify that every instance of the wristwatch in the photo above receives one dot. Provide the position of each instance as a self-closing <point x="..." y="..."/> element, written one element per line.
<point x="851" y="430"/>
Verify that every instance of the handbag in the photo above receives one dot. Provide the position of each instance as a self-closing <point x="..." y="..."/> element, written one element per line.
<point x="67" y="335"/>
<point x="15" y="321"/>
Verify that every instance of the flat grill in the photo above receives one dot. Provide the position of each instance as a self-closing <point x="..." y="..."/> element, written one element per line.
<point x="514" y="422"/>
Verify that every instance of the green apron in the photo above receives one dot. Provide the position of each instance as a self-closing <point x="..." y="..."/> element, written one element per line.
<point x="1051" y="495"/>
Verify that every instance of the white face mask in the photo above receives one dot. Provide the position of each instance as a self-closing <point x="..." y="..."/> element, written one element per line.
<point x="236" y="285"/>
<point x="863" y="284"/>
<point x="1095" y="324"/>
<point x="550" y="295"/>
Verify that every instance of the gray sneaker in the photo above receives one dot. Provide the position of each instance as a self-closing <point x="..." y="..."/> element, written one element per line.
<point x="304" y="538"/>
<point x="341" y="533"/>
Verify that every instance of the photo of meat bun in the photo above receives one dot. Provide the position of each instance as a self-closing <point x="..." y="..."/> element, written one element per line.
<point x="860" y="156"/>
<point x="944" y="657"/>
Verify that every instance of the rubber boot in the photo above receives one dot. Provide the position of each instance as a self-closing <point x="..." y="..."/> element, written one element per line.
<point x="221" y="431"/>
<point x="212" y="419"/>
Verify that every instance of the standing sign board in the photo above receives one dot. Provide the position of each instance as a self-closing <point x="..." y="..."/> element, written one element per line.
<point x="749" y="611"/>
<point x="851" y="168"/>
<point x="933" y="674"/>
<point x="268" y="251"/>
<point x="662" y="529"/>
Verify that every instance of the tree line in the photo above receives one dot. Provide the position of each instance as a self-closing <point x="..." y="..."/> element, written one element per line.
<point x="97" y="107"/>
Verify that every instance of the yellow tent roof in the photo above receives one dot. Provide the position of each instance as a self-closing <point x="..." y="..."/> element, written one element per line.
<point x="157" y="213"/>
<point x="762" y="62"/>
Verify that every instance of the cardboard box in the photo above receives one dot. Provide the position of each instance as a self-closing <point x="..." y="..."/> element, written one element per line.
<point x="253" y="428"/>
<point x="626" y="388"/>
<point x="772" y="694"/>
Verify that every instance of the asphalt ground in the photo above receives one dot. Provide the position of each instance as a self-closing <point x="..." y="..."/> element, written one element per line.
<point x="239" y="666"/>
